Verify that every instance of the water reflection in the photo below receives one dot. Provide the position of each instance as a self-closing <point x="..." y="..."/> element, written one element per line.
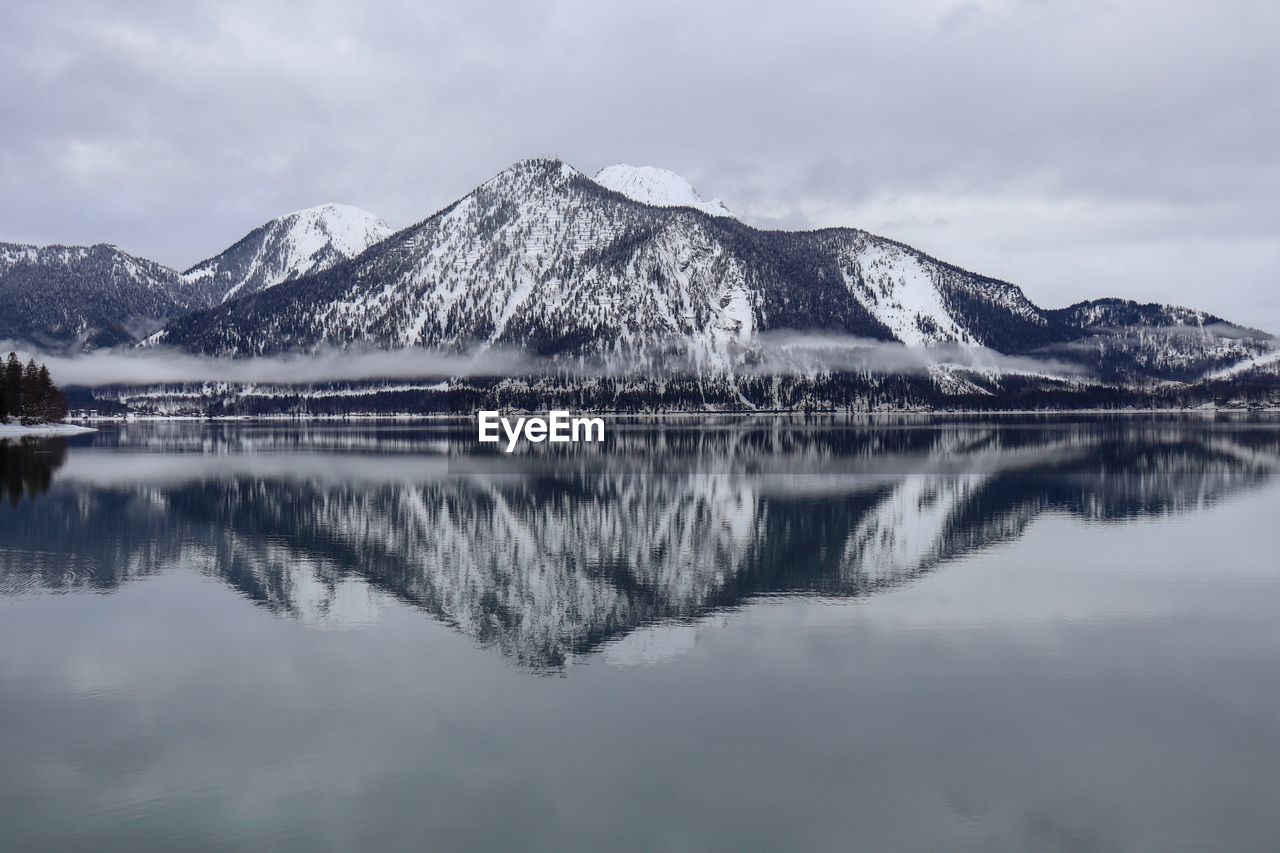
<point x="27" y="466"/>
<point x="548" y="555"/>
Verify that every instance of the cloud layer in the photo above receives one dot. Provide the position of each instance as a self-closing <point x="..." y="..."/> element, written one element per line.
<point x="771" y="354"/>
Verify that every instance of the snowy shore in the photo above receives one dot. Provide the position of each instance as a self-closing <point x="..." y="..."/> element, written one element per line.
<point x="42" y="430"/>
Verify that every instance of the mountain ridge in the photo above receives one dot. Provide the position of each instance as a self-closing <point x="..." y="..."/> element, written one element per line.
<point x="62" y="296"/>
<point x="542" y="259"/>
<point x="797" y="279"/>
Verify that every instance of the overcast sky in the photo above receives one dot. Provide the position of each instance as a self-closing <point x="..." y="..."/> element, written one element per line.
<point x="1079" y="149"/>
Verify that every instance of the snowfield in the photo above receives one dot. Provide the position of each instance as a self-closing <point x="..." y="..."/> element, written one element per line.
<point x="657" y="187"/>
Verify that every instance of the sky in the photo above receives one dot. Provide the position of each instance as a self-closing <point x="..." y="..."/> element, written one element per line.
<point x="1078" y="148"/>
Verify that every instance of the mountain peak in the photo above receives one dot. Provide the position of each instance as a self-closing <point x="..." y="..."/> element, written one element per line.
<point x="657" y="187"/>
<point x="305" y="241"/>
<point x="532" y="171"/>
<point x="350" y="230"/>
<point x="331" y="210"/>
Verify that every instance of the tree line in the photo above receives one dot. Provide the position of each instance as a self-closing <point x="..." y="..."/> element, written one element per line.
<point x="28" y="394"/>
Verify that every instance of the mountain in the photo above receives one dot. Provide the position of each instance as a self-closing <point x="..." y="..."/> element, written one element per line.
<point x="693" y="309"/>
<point x="626" y="291"/>
<point x="1125" y="313"/>
<point x="86" y="297"/>
<point x="1124" y="340"/>
<point x="83" y="297"/>
<point x="290" y="246"/>
<point x="657" y="187"/>
<point x="544" y="259"/>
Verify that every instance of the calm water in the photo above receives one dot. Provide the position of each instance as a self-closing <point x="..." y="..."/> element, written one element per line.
<point x="1015" y="635"/>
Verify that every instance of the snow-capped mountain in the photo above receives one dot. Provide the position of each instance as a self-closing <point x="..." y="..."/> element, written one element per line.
<point x="1122" y="339"/>
<point x="657" y="187"/>
<point x="60" y="297"/>
<point x="628" y="274"/>
<point x="290" y="246"/>
<point x="544" y="259"/>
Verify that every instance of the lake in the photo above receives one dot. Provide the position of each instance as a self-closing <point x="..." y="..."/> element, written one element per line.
<point x="732" y="634"/>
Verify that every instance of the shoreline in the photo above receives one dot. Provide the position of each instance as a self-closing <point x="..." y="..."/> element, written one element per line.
<point x="43" y="430"/>
<point x="73" y="424"/>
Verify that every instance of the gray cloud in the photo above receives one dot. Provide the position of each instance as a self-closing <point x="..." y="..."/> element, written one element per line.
<point x="1079" y="149"/>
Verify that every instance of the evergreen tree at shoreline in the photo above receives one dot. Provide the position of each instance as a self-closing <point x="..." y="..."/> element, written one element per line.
<point x="28" y="394"/>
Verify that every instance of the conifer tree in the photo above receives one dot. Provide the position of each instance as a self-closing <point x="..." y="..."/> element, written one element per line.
<point x="13" y="386"/>
<point x="29" y="394"/>
<point x="52" y="405"/>
<point x="30" y="390"/>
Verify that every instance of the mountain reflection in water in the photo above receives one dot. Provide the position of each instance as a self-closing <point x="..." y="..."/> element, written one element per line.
<point x="547" y="555"/>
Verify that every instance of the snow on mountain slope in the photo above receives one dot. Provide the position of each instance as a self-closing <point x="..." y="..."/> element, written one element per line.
<point x="306" y="241"/>
<point x="543" y="259"/>
<point x="1265" y="362"/>
<point x="86" y="296"/>
<point x="899" y="291"/>
<point x="922" y="301"/>
<point x="1121" y="339"/>
<point x="625" y="273"/>
<point x="657" y="187"/>
<point x="1114" y="313"/>
<point x="538" y="257"/>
